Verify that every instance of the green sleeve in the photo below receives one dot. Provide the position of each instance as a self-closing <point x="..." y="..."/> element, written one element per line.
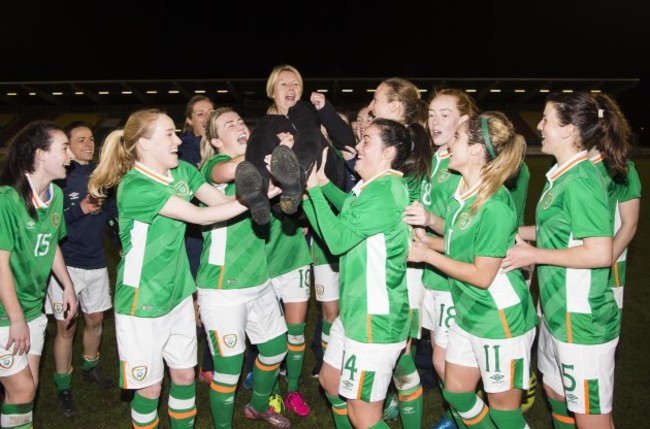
<point x="334" y="195"/>
<point x="631" y="189"/>
<point x="142" y="199"/>
<point x="310" y="212"/>
<point x="494" y="238"/>
<point x="588" y="209"/>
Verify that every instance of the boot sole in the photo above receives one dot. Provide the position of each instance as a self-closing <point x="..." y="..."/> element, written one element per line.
<point x="248" y="187"/>
<point x="287" y="171"/>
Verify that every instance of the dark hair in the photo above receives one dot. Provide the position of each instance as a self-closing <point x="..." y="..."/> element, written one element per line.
<point x="73" y="126"/>
<point x="20" y="158"/>
<point x="580" y="110"/>
<point x="615" y="143"/>
<point x="189" y="109"/>
<point x="394" y="134"/>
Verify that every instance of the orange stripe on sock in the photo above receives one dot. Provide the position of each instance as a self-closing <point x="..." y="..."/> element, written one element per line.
<point x="340" y="411"/>
<point x="564" y="419"/>
<point x="222" y="389"/>
<point x="295" y="348"/>
<point x="267" y="368"/>
<point x="479" y="418"/>
<point x="411" y="396"/>
<point x="182" y="415"/>
<point x="569" y="333"/>
<point x="152" y="425"/>
<point x="586" y="393"/>
<point x="504" y="322"/>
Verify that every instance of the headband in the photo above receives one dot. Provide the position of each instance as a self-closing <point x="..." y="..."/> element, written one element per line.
<point x="486" y="136"/>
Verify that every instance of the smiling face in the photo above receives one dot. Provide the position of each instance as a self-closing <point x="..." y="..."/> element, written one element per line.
<point x="364" y="119"/>
<point x="160" y="150"/>
<point x="233" y="134"/>
<point x="82" y="144"/>
<point x="551" y="129"/>
<point x="286" y="91"/>
<point x="200" y="114"/>
<point x="373" y="156"/>
<point x="444" y="118"/>
<point x="52" y="162"/>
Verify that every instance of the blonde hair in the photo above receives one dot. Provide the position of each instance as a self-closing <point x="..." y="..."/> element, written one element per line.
<point x="211" y="132"/>
<point x="118" y="154"/>
<point x="275" y="75"/>
<point x="509" y="149"/>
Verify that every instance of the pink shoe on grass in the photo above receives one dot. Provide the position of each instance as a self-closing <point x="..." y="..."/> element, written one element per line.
<point x="295" y="402"/>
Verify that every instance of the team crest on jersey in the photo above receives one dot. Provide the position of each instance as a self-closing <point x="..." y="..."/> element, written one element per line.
<point x="443" y="176"/>
<point x="320" y="290"/>
<point x="6" y="361"/>
<point x="56" y="219"/>
<point x="547" y="201"/>
<point x="182" y="188"/>
<point x="464" y="220"/>
<point x="230" y="340"/>
<point x="139" y="372"/>
<point x="58" y="308"/>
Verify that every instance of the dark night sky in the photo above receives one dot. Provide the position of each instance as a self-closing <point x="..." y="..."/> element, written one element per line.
<point x="154" y="40"/>
<point x="145" y="39"/>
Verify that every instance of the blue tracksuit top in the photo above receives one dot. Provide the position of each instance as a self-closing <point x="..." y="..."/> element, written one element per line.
<point x="83" y="247"/>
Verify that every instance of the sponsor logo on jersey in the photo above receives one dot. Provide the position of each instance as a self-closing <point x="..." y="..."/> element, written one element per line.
<point x="547" y="201"/>
<point x="497" y="378"/>
<point x="464" y="221"/>
<point x="56" y="219"/>
<point x="230" y="340"/>
<point x="6" y="361"/>
<point x="139" y="372"/>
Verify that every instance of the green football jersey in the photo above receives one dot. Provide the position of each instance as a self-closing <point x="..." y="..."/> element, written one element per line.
<point x="287" y="248"/>
<point x="626" y="191"/>
<point x="31" y="244"/>
<point x="373" y="243"/>
<point x="505" y="309"/>
<point x="435" y="196"/>
<point x="519" y="191"/>
<point x="233" y="254"/>
<point x="578" y="305"/>
<point x="153" y="275"/>
<point x="617" y="193"/>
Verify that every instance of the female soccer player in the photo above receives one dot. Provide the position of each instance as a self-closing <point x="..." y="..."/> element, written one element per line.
<point x="573" y="253"/>
<point x="31" y="225"/>
<point x="154" y="317"/>
<point x="371" y="331"/>
<point x="495" y="317"/>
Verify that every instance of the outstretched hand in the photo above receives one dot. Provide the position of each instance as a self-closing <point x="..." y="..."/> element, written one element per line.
<point x="520" y="255"/>
<point x="415" y="214"/>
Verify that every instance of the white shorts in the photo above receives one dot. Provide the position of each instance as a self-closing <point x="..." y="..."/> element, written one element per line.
<point x="146" y="344"/>
<point x="438" y="315"/>
<point x="293" y="286"/>
<point x="326" y="281"/>
<point x="227" y="320"/>
<point x="91" y="286"/>
<point x="583" y="374"/>
<point x="504" y="363"/>
<point x="11" y="364"/>
<point x="366" y="369"/>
